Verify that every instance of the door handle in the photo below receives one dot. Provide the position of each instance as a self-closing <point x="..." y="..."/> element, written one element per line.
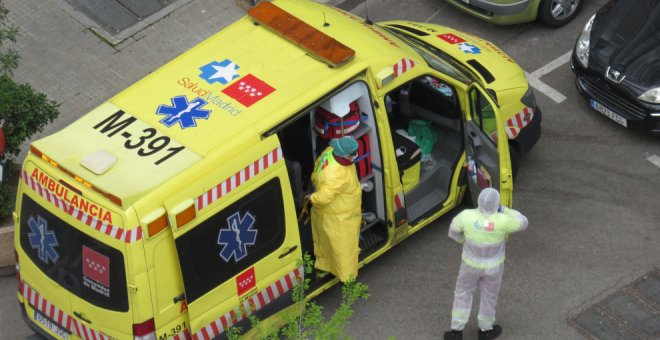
<point x="287" y="252"/>
<point x="181" y="297"/>
<point x="82" y="317"/>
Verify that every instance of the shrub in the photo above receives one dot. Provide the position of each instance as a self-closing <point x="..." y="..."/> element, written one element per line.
<point x="23" y="111"/>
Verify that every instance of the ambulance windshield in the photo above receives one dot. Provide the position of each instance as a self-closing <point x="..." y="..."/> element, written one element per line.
<point x="436" y="58"/>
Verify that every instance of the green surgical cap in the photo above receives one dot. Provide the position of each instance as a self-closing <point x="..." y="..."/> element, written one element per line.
<point x="344" y="146"/>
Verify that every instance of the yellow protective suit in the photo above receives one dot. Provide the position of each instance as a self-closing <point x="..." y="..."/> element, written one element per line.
<point x="336" y="216"/>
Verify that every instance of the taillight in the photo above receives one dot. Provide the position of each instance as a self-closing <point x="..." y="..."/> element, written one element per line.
<point x="145" y="330"/>
<point x="18" y="274"/>
<point x="158" y="224"/>
<point x="185" y="216"/>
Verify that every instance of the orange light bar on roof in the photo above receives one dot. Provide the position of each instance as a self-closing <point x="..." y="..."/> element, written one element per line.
<point x="314" y="41"/>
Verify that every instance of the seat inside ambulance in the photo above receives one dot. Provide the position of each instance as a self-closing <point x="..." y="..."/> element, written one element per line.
<point x="426" y="127"/>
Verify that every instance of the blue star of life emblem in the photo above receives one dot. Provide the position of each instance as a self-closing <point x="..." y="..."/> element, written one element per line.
<point x="183" y="112"/>
<point x="42" y="239"/>
<point x="469" y="48"/>
<point x="219" y="71"/>
<point x="237" y="236"/>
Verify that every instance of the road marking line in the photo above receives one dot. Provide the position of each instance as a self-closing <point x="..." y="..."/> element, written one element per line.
<point x="432" y="15"/>
<point x="535" y="81"/>
<point x="545" y="88"/>
<point x="655" y="160"/>
<point x="551" y="66"/>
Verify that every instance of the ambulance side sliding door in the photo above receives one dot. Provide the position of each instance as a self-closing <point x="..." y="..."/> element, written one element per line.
<point x="240" y="252"/>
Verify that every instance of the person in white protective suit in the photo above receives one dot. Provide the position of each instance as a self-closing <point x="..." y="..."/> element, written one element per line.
<point x="483" y="232"/>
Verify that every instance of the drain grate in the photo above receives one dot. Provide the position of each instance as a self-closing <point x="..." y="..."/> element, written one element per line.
<point x="114" y="16"/>
<point x="632" y="312"/>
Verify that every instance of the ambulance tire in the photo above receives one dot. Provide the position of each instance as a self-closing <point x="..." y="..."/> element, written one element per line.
<point x="467" y="198"/>
<point x="514" y="154"/>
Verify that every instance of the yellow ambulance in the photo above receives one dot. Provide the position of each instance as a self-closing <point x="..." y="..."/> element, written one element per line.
<point x="161" y="212"/>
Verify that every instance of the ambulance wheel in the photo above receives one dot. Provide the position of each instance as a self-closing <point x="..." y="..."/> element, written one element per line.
<point x="515" y="160"/>
<point x="467" y="198"/>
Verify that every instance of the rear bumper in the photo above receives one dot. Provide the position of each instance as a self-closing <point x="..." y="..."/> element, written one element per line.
<point x="28" y="320"/>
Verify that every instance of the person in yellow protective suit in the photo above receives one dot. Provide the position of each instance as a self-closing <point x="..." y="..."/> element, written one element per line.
<point x="483" y="233"/>
<point x="336" y="209"/>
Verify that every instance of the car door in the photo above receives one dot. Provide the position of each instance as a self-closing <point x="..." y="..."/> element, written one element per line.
<point x="487" y="148"/>
<point x="239" y="254"/>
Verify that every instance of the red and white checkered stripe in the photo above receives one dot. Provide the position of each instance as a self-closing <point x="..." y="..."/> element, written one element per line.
<point x="233" y="182"/>
<point x="183" y="335"/>
<point x="61" y="318"/>
<point x="128" y="236"/>
<point x="399" y="202"/>
<point x="518" y="122"/>
<point x="403" y="66"/>
<point x="251" y="305"/>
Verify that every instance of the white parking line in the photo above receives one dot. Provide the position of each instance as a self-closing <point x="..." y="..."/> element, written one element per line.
<point x="432" y="15"/>
<point x="551" y="66"/>
<point x="655" y="160"/>
<point x="545" y="88"/>
<point x="535" y="81"/>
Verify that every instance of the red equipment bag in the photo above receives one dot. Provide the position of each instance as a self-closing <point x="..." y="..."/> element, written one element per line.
<point x="363" y="160"/>
<point x="329" y="125"/>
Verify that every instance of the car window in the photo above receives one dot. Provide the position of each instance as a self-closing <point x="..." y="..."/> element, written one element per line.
<point x="81" y="264"/>
<point x="483" y="114"/>
<point x="232" y="240"/>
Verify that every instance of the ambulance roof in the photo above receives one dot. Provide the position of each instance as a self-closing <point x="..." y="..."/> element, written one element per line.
<point x="231" y="87"/>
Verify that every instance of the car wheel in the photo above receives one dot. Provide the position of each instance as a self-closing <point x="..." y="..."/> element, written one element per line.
<point x="557" y="13"/>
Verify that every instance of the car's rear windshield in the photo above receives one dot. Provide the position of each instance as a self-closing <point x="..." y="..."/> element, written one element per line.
<point x="84" y="266"/>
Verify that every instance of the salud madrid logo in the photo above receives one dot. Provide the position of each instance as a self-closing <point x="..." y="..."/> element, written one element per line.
<point x="219" y="72"/>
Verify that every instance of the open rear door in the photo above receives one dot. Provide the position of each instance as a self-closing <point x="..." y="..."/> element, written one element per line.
<point x="487" y="148"/>
<point x="239" y="253"/>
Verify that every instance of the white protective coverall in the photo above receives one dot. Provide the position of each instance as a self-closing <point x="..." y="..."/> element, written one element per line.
<point x="336" y="216"/>
<point x="483" y="232"/>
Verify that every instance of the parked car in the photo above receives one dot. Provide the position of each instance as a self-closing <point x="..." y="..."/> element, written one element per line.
<point x="554" y="13"/>
<point x="616" y="61"/>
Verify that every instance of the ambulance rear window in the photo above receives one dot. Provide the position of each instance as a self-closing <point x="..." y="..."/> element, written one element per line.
<point x="232" y="240"/>
<point x="91" y="270"/>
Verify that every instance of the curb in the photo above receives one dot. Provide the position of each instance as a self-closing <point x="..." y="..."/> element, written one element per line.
<point x="7" y="262"/>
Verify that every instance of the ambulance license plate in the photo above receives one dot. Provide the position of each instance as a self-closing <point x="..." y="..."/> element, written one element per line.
<point x="50" y="325"/>
<point x="609" y="113"/>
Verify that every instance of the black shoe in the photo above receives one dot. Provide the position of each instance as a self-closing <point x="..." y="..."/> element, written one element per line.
<point x="491" y="334"/>
<point x="454" y="335"/>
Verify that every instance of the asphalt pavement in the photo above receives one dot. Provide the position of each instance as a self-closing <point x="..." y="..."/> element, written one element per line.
<point x="588" y="187"/>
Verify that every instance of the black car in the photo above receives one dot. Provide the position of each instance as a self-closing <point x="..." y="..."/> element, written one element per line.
<point x="616" y="61"/>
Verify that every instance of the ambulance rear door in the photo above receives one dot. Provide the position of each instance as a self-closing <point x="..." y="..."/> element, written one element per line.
<point x="487" y="148"/>
<point x="239" y="253"/>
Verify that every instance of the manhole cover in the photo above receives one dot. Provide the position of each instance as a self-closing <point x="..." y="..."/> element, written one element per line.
<point x="632" y="312"/>
<point x="114" y="16"/>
